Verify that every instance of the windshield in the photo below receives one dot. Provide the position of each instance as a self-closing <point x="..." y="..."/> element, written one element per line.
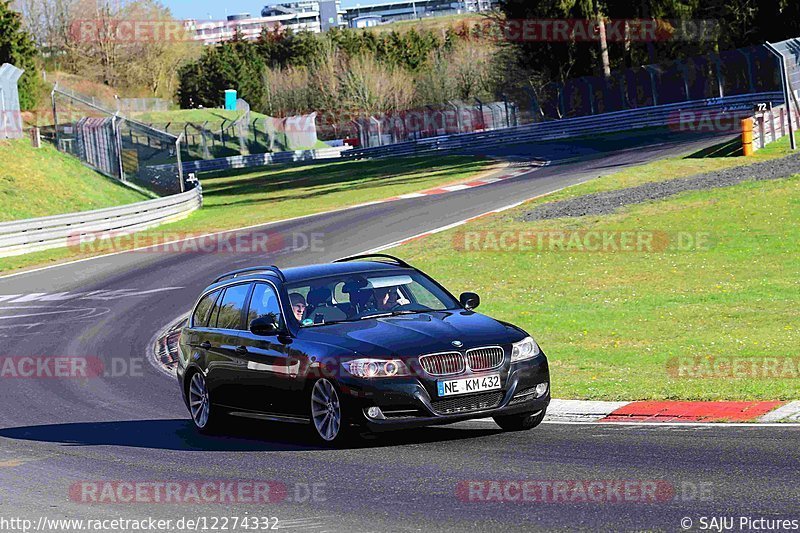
<point x="365" y="296"/>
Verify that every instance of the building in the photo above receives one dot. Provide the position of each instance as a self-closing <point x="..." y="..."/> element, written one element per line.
<point x="366" y="21"/>
<point x="328" y="12"/>
<point x="400" y="10"/>
<point x="321" y="15"/>
<point x="310" y="16"/>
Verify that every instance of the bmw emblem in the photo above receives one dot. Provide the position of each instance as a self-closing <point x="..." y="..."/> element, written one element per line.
<point x="458" y="344"/>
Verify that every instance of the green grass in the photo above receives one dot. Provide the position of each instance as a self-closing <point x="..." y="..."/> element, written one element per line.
<point x="667" y="169"/>
<point x="614" y="324"/>
<point x="440" y="23"/>
<point x="249" y="197"/>
<point x="43" y="182"/>
<point x="198" y="116"/>
<point x="254" y="197"/>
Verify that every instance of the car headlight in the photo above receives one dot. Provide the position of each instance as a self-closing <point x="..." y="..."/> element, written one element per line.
<point x="524" y="349"/>
<point x="376" y="368"/>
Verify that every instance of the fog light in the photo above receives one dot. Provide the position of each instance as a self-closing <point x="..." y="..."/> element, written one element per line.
<point x="375" y="413"/>
<point x="541" y="389"/>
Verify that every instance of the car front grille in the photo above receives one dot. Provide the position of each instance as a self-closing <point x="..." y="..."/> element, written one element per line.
<point x="480" y="359"/>
<point x="465" y="404"/>
<point x="443" y="364"/>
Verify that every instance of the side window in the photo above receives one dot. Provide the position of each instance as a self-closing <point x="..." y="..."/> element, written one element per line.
<point x="339" y="296"/>
<point x="200" y="316"/>
<point x="230" y="307"/>
<point x="263" y="302"/>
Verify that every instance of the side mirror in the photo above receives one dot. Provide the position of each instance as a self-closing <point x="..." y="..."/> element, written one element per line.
<point x="470" y="300"/>
<point x="266" y="326"/>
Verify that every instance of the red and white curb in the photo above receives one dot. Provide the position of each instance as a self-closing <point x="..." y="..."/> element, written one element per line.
<point x="468" y="185"/>
<point x="480" y="182"/>
<point x="673" y="412"/>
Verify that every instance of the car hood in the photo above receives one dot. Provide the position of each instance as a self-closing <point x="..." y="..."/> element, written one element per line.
<point x="412" y="335"/>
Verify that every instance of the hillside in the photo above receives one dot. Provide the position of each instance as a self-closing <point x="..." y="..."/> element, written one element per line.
<point x="37" y="183"/>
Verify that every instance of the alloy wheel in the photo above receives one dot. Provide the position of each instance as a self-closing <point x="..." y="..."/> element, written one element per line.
<point x="326" y="411"/>
<point x="198" y="400"/>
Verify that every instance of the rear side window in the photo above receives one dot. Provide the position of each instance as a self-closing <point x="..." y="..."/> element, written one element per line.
<point x="200" y="316"/>
<point x="231" y="305"/>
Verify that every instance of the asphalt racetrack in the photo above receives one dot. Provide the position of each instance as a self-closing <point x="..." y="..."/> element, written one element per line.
<point x="128" y="423"/>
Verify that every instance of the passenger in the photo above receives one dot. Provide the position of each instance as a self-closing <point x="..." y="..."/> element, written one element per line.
<point x="298" y="305"/>
<point x="386" y="298"/>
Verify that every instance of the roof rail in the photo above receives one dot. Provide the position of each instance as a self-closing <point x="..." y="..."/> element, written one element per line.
<point x="395" y="260"/>
<point x="252" y="270"/>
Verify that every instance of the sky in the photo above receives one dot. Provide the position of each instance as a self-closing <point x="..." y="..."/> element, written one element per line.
<point x="218" y="10"/>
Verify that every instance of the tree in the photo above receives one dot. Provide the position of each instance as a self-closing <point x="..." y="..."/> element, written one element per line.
<point x="17" y="47"/>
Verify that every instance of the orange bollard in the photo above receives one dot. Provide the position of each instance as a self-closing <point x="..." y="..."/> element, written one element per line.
<point x="747" y="136"/>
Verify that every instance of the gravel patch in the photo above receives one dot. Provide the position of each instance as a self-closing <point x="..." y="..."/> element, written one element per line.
<point x="603" y="203"/>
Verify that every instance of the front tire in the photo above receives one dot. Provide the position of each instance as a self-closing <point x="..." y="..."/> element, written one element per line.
<point x="521" y="422"/>
<point x="327" y="417"/>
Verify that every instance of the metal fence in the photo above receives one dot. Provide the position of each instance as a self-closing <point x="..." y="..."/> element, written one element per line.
<point x="117" y="146"/>
<point x="731" y="73"/>
<point x="773" y="124"/>
<point x="669" y="115"/>
<point x="433" y="121"/>
<point x="10" y="116"/>
<point x="243" y="135"/>
<point x="261" y="160"/>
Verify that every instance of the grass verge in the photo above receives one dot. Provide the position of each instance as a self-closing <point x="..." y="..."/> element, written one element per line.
<point x="249" y="197"/>
<point x="42" y="182"/>
<point x="685" y="321"/>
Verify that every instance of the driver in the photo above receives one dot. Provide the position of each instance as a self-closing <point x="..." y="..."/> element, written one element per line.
<point x="298" y="305"/>
<point x="386" y="298"/>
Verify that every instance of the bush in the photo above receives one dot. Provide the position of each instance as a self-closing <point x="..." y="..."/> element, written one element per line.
<point x="17" y="47"/>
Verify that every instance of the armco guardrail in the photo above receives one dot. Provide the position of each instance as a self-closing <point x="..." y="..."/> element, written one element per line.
<point x="256" y="160"/>
<point x="632" y="119"/>
<point x="772" y="124"/>
<point x="35" y="234"/>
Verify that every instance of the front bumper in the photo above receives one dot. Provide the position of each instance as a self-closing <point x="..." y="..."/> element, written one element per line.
<point x="412" y="401"/>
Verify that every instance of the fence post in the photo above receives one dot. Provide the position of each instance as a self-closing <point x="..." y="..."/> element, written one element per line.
<point x="55" y="116"/>
<point x="180" y="162"/>
<point x="787" y="91"/>
<point x="118" y="146"/>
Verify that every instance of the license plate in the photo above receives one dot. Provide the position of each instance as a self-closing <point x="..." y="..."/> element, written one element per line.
<point x="468" y="385"/>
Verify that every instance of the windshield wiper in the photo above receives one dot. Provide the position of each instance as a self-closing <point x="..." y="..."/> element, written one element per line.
<point x="396" y="313"/>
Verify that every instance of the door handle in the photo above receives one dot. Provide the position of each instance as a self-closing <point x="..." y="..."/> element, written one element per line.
<point x="241" y="350"/>
<point x="205" y="345"/>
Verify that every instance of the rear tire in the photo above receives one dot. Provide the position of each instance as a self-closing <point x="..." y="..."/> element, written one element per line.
<point x="520" y="422"/>
<point x="207" y="418"/>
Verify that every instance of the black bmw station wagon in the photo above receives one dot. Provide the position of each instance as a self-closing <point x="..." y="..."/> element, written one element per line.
<point x="366" y="343"/>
